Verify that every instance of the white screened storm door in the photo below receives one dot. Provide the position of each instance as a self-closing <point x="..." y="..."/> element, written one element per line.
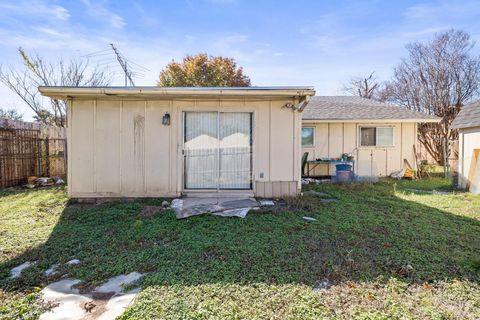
<point x="218" y="150"/>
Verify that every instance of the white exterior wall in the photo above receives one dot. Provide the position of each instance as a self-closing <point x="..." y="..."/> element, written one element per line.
<point x="119" y="147"/>
<point x="468" y="176"/>
<point x="334" y="138"/>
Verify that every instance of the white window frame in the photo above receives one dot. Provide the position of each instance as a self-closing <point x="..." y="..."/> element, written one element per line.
<point x="301" y="138"/>
<point x="375" y="146"/>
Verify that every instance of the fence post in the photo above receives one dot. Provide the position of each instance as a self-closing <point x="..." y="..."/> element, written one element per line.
<point x="65" y="160"/>
<point x="47" y="157"/>
<point x="39" y="156"/>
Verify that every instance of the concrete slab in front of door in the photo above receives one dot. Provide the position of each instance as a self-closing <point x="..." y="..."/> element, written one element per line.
<point x="193" y="206"/>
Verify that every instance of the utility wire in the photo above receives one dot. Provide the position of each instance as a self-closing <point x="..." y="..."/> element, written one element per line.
<point x="106" y="58"/>
<point x="123" y="64"/>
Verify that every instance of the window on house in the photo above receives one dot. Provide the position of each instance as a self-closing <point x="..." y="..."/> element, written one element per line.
<point x="308" y="137"/>
<point x="376" y="136"/>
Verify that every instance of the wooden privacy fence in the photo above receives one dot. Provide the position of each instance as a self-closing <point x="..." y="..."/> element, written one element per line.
<point x="26" y="152"/>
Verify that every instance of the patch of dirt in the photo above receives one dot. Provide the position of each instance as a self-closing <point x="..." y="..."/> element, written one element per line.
<point x="330" y="262"/>
<point x="149" y="211"/>
<point x="94" y="309"/>
<point x="144" y="244"/>
<point x="210" y="255"/>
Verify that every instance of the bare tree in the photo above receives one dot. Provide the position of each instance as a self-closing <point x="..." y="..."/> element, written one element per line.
<point x="437" y="77"/>
<point x="11" y="114"/>
<point x="38" y="72"/>
<point x="366" y="87"/>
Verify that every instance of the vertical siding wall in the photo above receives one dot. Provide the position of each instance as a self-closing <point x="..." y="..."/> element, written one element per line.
<point x="333" y="139"/>
<point x="119" y="148"/>
<point x="469" y="140"/>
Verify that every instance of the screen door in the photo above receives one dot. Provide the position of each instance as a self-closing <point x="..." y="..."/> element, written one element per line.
<point x="218" y="150"/>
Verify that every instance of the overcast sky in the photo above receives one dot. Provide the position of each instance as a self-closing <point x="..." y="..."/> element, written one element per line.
<point x="318" y="43"/>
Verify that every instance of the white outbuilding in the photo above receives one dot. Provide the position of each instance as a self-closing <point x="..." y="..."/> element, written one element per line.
<point x="468" y="124"/>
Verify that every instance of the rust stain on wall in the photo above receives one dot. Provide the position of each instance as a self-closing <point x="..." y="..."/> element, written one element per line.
<point x="138" y="150"/>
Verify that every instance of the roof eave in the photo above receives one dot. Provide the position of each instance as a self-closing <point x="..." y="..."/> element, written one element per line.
<point x="412" y="120"/>
<point x="463" y="127"/>
<point x="159" y="92"/>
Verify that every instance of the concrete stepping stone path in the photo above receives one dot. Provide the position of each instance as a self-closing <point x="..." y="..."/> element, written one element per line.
<point x="108" y="301"/>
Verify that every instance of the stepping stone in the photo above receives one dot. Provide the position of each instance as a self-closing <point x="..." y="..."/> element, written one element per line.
<point x="73" y="262"/>
<point x="322" y="285"/>
<point x="68" y="298"/>
<point x="52" y="270"/>
<point x="71" y="304"/>
<point x="117" y="305"/>
<point x="116" y="284"/>
<point x="17" y="271"/>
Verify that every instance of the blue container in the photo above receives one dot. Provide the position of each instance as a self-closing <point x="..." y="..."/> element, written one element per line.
<point x="344" y="176"/>
<point x="343" y="167"/>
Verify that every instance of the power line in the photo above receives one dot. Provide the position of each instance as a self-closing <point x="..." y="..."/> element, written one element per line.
<point x="139" y="66"/>
<point x="113" y="60"/>
<point x="96" y="52"/>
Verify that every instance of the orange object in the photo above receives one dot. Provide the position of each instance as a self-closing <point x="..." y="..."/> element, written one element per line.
<point x="408" y="173"/>
<point x="31" y="179"/>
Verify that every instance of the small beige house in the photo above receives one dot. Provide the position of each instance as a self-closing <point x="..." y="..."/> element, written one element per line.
<point x="378" y="136"/>
<point x="163" y="142"/>
<point x="468" y="124"/>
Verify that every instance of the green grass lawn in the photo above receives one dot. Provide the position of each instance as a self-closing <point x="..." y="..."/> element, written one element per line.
<point x="388" y="253"/>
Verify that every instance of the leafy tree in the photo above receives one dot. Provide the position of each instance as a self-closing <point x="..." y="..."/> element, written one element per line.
<point x="437" y="77"/>
<point x="11" y="114"/>
<point x="36" y="72"/>
<point x="202" y="70"/>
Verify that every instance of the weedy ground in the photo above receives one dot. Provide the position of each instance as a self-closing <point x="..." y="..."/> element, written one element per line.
<point x="386" y="253"/>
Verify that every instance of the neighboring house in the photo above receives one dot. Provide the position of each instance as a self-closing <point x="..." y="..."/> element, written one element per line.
<point x="468" y="124"/>
<point x="162" y="142"/>
<point x="379" y="136"/>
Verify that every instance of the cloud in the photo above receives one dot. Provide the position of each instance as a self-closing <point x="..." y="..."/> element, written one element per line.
<point x="35" y="9"/>
<point x="418" y="12"/>
<point x="52" y="32"/>
<point x="442" y="10"/>
<point x="421" y="33"/>
<point x="60" y="12"/>
<point x="144" y="17"/>
<point x="229" y="46"/>
<point x="98" y="10"/>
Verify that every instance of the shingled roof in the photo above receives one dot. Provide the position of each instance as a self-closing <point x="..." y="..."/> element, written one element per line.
<point x="351" y="108"/>
<point x="469" y="116"/>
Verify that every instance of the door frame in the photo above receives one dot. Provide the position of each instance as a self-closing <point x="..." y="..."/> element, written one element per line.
<point x="183" y="155"/>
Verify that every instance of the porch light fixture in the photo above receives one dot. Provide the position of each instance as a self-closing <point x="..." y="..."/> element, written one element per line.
<point x="166" y="119"/>
<point x="289" y="105"/>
